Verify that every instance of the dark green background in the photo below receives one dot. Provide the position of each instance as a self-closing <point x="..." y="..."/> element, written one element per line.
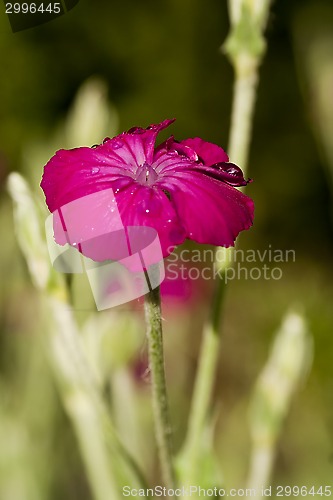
<point x="161" y="60"/>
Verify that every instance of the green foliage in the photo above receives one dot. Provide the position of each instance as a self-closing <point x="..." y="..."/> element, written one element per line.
<point x="158" y="60"/>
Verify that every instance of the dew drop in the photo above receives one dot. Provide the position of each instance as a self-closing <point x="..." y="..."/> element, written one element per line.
<point x="150" y="206"/>
<point x="133" y="130"/>
<point x="106" y="140"/>
<point x="230" y="173"/>
<point x="117" y="144"/>
<point x="232" y="170"/>
<point x="95" y="170"/>
<point x="136" y="130"/>
<point x="228" y="168"/>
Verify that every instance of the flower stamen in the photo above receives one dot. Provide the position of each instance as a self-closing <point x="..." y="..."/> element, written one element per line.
<point x="146" y="175"/>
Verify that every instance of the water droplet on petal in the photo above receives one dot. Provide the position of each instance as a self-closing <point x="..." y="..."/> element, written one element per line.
<point x="95" y="170"/>
<point x="117" y="144"/>
<point x="150" y="205"/>
<point x="230" y="173"/>
<point x="136" y="130"/>
<point x="185" y="151"/>
<point x="228" y="168"/>
<point x="106" y="140"/>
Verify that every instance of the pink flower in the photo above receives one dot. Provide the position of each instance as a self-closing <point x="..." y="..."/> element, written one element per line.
<point x="181" y="189"/>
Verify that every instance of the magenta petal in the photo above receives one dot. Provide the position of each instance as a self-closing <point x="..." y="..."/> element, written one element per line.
<point x="93" y="225"/>
<point x="173" y="146"/>
<point x="105" y="226"/>
<point x="146" y="206"/>
<point x="208" y="152"/>
<point x="211" y="211"/>
<point x="127" y="189"/>
<point x="141" y="141"/>
<point x="224" y="172"/>
<point x="74" y="173"/>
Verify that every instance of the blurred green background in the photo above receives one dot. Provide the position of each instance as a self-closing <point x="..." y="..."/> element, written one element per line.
<point x="161" y="60"/>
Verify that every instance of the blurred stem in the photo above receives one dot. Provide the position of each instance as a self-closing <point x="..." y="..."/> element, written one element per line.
<point x="244" y="95"/>
<point x="159" y="393"/>
<point x="202" y="390"/>
<point x="81" y="399"/>
<point x="288" y="364"/>
<point x="245" y="47"/>
<point x="261" y="466"/>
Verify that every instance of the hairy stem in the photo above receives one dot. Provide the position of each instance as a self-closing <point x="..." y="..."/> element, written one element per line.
<point x="159" y="393"/>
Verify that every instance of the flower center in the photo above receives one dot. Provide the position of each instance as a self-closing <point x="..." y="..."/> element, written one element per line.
<point x="146" y="175"/>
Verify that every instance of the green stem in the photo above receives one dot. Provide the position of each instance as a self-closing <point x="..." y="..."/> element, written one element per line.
<point x="244" y="95"/>
<point x="260" y="468"/>
<point x="243" y="104"/>
<point x="159" y="393"/>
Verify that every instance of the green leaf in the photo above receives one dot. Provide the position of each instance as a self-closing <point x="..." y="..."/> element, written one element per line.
<point x="28" y="229"/>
